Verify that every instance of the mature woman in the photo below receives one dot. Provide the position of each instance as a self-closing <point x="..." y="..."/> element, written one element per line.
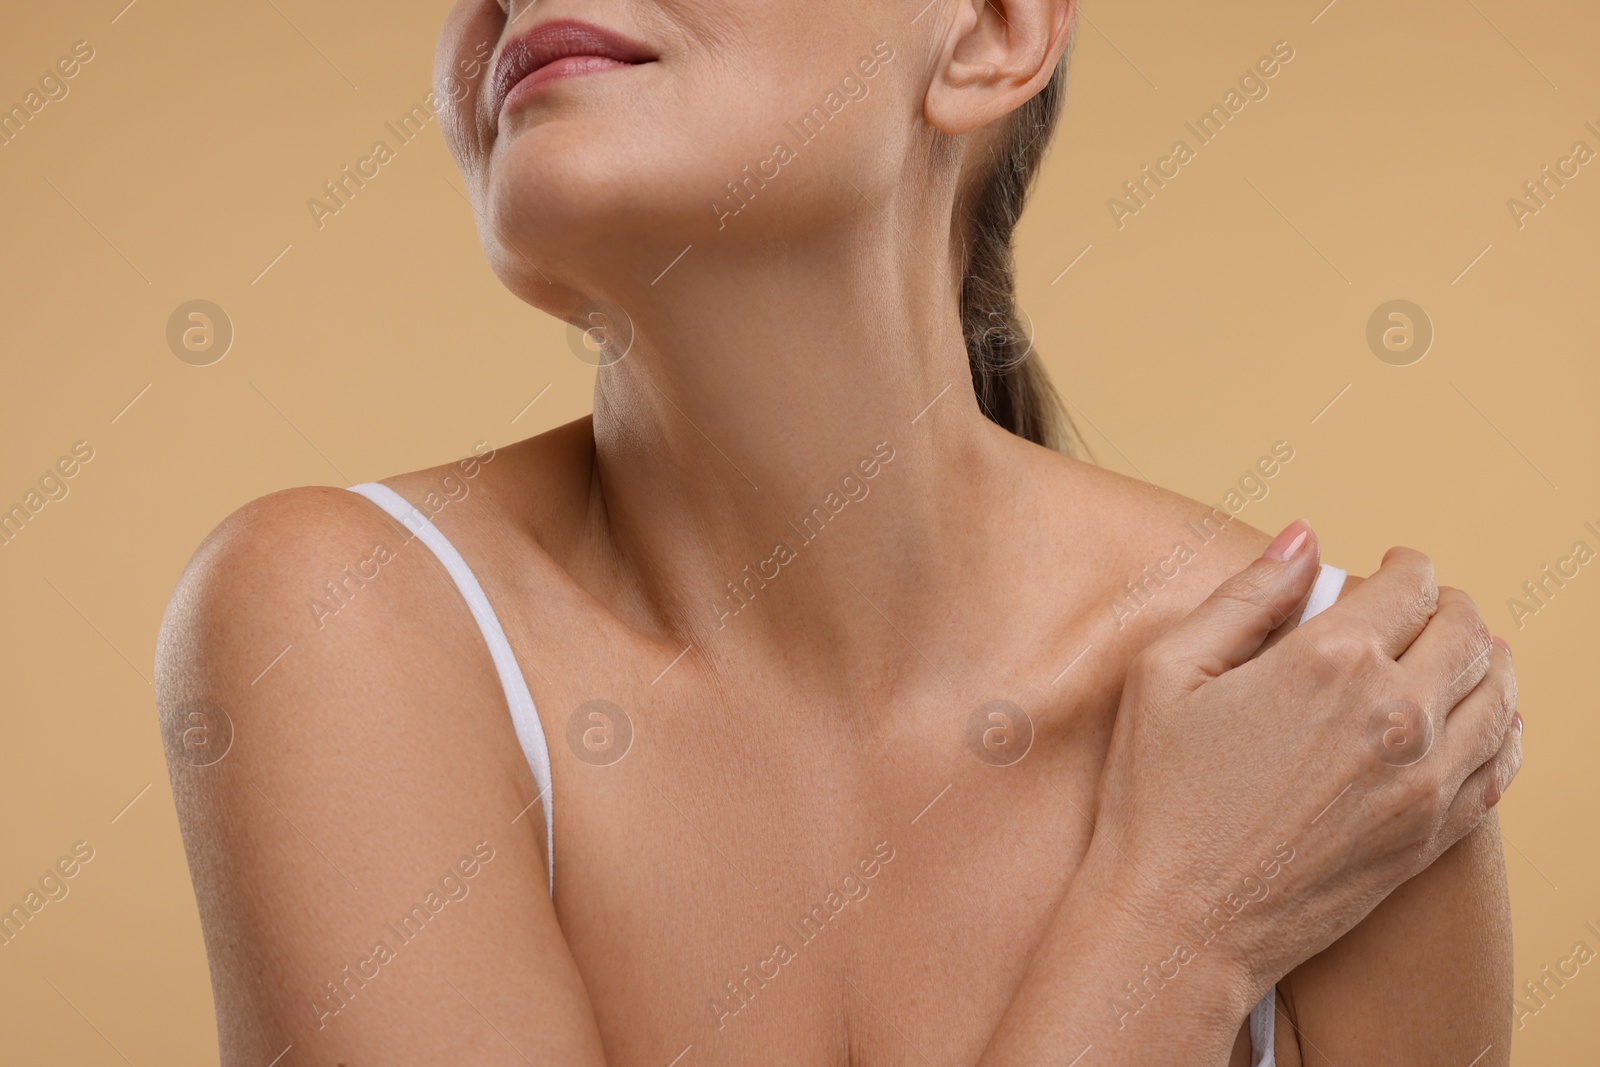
<point x="847" y="724"/>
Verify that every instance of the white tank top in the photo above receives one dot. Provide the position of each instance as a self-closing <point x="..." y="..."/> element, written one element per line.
<point x="530" y="734"/>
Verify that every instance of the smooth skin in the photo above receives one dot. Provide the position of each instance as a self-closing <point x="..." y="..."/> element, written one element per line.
<point x="782" y="752"/>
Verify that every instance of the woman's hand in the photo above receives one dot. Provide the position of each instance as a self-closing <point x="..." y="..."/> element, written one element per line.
<point x="1260" y="798"/>
<point x="1260" y="805"/>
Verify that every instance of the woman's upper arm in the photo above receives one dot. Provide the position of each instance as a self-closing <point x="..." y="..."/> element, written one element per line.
<point x="369" y="871"/>
<point x="1426" y="978"/>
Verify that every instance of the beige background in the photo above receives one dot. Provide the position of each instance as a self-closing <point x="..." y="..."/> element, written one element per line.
<point x="1226" y="315"/>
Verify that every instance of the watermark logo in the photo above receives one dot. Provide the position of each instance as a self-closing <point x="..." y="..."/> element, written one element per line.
<point x="340" y="992"/>
<point x="1539" y="591"/>
<point x="739" y="992"/>
<point x="1399" y="333"/>
<point x="199" y="732"/>
<point x="1538" y="992"/>
<point x="199" y="333"/>
<point x="53" y="87"/>
<point x="999" y="733"/>
<point x="1400" y="732"/>
<point x="853" y="488"/>
<point x="600" y="333"/>
<point x="340" y="191"/>
<point x="853" y="87"/>
<point x="1012" y="335"/>
<point x="53" y="886"/>
<point x="1540" y="190"/>
<point x="599" y="733"/>
<point x="1196" y="934"/>
<point x="53" y="485"/>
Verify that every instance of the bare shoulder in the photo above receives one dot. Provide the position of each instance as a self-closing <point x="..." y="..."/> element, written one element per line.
<point x="327" y="570"/>
<point x="1427" y="975"/>
<point x="1148" y="553"/>
<point x="318" y="597"/>
<point x="257" y="573"/>
<point x="292" y="584"/>
<point x="540" y="488"/>
<point x="341" y="756"/>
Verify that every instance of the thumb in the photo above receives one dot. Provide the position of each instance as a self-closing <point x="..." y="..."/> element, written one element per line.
<point x="1230" y="625"/>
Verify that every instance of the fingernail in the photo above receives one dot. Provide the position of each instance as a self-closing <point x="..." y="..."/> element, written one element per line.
<point x="1500" y="643"/>
<point x="1288" y="544"/>
<point x="1516" y="720"/>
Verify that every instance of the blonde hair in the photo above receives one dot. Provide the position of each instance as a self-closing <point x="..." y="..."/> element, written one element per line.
<point x="1013" y="389"/>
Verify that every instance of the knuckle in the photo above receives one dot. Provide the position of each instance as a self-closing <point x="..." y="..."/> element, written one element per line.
<point x="1464" y="617"/>
<point x="1401" y="556"/>
<point x="1506" y="700"/>
<point x="1478" y="635"/>
<point x="1421" y="802"/>
<point x="1418" y="564"/>
<point x="1423" y="796"/>
<point x="1486" y="746"/>
<point x="1509" y="692"/>
<point x="1247" y="589"/>
<point x="1245" y="583"/>
<point x="1402" y="693"/>
<point x="1347" y="650"/>
<point x="1497" y="695"/>
<point x="1469" y="638"/>
<point x="1424" y="602"/>
<point x="1514" y="760"/>
<point x="1148" y="662"/>
<point x="1459" y="609"/>
<point x="1505" y="769"/>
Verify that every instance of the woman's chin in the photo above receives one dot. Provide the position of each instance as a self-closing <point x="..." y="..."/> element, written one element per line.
<point x="576" y="216"/>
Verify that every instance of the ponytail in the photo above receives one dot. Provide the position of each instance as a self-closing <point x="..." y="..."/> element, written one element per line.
<point x="1012" y="386"/>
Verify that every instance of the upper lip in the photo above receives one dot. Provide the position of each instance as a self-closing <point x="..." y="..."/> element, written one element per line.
<point x="558" y="39"/>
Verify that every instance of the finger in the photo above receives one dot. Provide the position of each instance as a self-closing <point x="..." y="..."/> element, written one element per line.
<point x="1451" y="655"/>
<point x="1394" y="604"/>
<point x="1476" y="727"/>
<point x="1484" y="787"/>
<point x="1229" y="626"/>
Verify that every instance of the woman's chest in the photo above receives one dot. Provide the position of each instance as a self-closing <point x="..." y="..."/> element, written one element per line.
<point x="765" y="883"/>
<point x="754" y="869"/>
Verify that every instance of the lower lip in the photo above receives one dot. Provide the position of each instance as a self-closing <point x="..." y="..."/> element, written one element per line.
<point x="559" y="70"/>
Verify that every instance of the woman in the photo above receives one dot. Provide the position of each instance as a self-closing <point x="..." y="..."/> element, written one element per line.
<point x="847" y="723"/>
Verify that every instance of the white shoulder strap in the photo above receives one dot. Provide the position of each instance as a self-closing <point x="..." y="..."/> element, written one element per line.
<point x="1324" y="592"/>
<point x="1263" y="1030"/>
<point x="1264" y="1016"/>
<point x="523" y="716"/>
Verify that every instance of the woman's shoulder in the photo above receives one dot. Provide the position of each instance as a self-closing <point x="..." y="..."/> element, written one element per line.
<point x="314" y="547"/>
<point x="1138" y="532"/>
<point x="335" y="732"/>
<point x="1141" y="557"/>
<point x="259" y="573"/>
<point x="320" y="578"/>
<point x="541" y="486"/>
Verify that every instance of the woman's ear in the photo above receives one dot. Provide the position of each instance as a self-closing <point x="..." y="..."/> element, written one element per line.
<point x="995" y="55"/>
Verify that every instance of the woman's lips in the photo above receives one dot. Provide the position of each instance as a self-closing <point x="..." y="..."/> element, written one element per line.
<point x="555" y="70"/>
<point x="555" y="50"/>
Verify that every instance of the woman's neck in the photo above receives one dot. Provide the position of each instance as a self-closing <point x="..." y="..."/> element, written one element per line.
<point x="792" y="449"/>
